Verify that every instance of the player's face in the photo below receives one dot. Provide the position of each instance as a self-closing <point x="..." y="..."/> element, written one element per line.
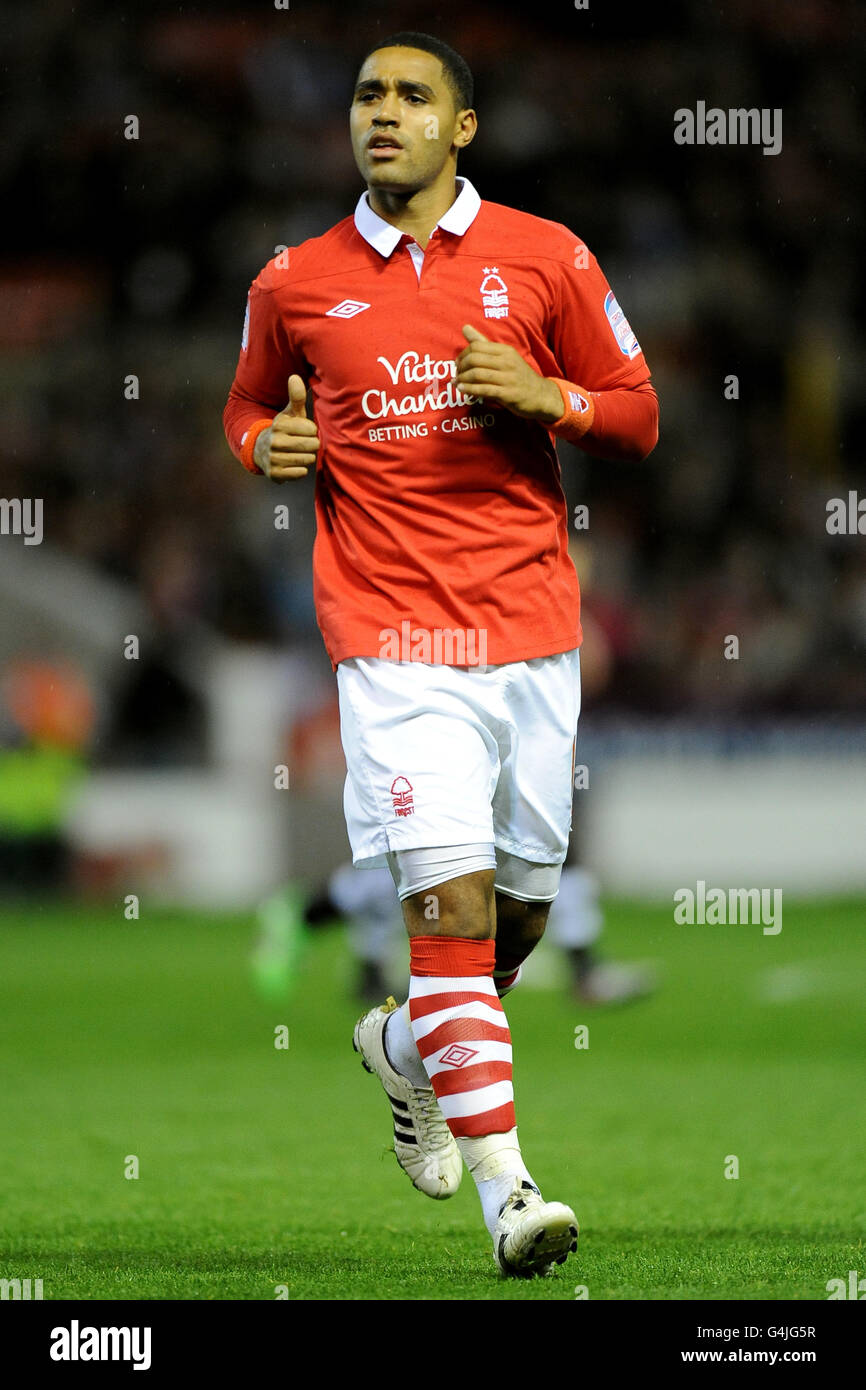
<point x="402" y="120"/>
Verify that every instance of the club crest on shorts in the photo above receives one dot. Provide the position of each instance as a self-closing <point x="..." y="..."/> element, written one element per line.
<point x="401" y="795"/>
<point x="494" y="294"/>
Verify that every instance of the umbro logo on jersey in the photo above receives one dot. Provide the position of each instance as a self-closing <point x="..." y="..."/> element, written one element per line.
<point x="347" y="309"/>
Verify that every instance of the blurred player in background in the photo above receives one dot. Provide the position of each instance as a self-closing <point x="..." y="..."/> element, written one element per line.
<point x="441" y="519"/>
<point x="47" y="716"/>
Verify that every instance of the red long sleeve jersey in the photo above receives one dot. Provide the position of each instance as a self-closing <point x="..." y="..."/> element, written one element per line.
<point x="435" y="512"/>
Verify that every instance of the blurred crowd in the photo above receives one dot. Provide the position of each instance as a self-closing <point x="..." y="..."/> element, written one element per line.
<point x="128" y="261"/>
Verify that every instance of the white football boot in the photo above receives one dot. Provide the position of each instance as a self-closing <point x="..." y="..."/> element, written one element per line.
<point x="532" y="1235"/>
<point x="423" y="1143"/>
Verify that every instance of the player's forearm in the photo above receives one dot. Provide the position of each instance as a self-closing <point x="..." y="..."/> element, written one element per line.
<point x="244" y="420"/>
<point x="620" y="425"/>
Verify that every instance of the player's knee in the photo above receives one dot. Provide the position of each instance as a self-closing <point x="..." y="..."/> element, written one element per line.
<point x="458" y="907"/>
<point x="520" y="924"/>
<point x="447" y="890"/>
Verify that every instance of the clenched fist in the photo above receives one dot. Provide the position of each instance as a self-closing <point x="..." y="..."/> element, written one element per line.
<point x="288" y="447"/>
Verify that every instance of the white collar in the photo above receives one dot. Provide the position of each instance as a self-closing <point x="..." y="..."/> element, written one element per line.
<point x="384" y="236"/>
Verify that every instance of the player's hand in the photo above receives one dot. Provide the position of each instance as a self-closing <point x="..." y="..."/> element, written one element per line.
<point x="288" y="448"/>
<point x="496" y="372"/>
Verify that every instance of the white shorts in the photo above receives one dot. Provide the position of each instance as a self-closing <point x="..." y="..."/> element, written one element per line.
<point x="445" y="755"/>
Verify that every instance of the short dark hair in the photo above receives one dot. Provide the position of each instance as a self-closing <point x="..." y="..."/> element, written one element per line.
<point x="455" y="69"/>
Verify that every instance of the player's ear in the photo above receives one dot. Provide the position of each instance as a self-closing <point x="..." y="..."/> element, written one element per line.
<point x="467" y="124"/>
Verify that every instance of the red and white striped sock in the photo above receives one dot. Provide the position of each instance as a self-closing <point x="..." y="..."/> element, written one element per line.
<point x="461" y="1032"/>
<point x="462" y="1036"/>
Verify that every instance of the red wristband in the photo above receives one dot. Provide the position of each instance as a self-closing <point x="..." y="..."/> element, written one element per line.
<point x="249" y="444"/>
<point x="579" y="412"/>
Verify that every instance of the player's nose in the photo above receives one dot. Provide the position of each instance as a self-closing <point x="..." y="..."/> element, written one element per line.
<point x="388" y="109"/>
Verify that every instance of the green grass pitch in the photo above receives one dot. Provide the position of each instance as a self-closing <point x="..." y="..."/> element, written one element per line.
<point x="261" y="1168"/>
